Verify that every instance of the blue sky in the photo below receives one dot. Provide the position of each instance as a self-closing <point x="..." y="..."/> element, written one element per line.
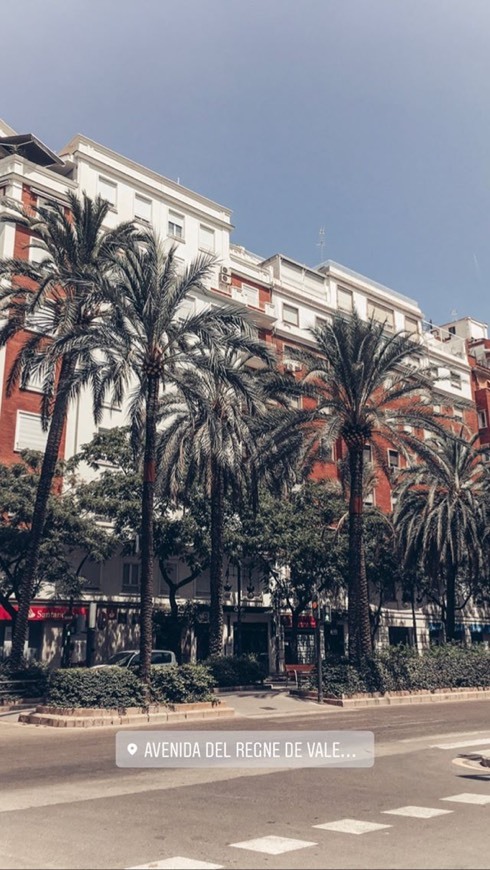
<point x="370" y="118"/>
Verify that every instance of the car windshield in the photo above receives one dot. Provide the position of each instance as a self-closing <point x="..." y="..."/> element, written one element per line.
<point x="120" y="658"/>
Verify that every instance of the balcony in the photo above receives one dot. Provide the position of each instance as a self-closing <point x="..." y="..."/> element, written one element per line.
<point x="442" y="341"/>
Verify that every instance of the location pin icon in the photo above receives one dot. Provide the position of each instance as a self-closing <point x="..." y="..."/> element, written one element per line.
<point x="132" y="748"/>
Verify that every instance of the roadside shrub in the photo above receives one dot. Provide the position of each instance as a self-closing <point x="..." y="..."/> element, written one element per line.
<point x="242" y="670"/>
<point x="402" y="669"/>
<point x="95" y="687"/>
<point x="30" y="680"/>
<point x="181" y="684"/>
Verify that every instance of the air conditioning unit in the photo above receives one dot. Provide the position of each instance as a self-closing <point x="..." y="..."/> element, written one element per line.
<point x="225" y="275"/>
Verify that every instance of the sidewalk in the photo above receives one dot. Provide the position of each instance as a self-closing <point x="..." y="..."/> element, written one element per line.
<point x="268" y="703"/>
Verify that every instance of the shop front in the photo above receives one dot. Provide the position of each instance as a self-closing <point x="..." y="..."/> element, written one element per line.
<point x="47" y="629"/>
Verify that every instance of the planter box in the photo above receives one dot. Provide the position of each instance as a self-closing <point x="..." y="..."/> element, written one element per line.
<point x="420" y="696"/>
<point x="84" y="717"/>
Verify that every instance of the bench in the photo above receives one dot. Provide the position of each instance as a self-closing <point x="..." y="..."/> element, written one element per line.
<point x="298" y="673"/>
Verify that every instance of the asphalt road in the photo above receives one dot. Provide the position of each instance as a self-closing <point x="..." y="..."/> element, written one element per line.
<point x="64" y="803"/>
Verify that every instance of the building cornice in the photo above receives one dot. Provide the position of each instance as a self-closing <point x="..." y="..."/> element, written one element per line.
<point x="73" y="147"/>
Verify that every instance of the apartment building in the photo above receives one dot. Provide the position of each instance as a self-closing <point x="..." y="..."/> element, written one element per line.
<point x="286" y="299"/>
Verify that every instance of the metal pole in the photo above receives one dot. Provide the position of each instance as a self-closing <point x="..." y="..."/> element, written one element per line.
<point x="239" y="612"/>
<point x="91" y="623"/>
<point x="319" y="653"/>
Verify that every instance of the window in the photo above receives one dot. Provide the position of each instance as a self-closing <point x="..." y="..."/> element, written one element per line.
<point x="176" y="225"/>
<point x="38" y="321"/>
<point x="393" y="459"/>
<point x="452" y="330"/>
<point x="34" y="383"/>
<point x="45" y="203"/>
<point x="206" y="239"/>
<point x="455" y="379"/>
<point x="482" y="419"/>
<point x="394" y="500"/>
<point x="108" y="191"/>
<point x="142" y="208"/>
<point x="381" y="314"/>
<point x="290" y="314"/>
<point x="131" y="577"/>
<point x="437" y="409"/>
<point x="411" y="325"/>
<point x="367" y="455"/>
<point x="458" y="414"/>
<point x="291" y="364"/>
<point x="36" y="252"/>
<point x="251" y="295"/>
<point x="29" y="434"/>
<point x="321" y="322"/>
<point x="369" y="499"/>
<point x="344" y="299"/>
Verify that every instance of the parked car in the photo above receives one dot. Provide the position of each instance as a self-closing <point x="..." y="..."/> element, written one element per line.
<point x="130" y="658"/>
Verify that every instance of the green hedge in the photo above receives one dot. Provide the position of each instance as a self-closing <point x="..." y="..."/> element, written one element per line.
<point x="242" y="670"/>
<point x="402" y="669"/>
<point x="119" y="687"/>
<point x="95" y="687"/>
<point x="182" y="684"/>
<point x="36" y="678"/>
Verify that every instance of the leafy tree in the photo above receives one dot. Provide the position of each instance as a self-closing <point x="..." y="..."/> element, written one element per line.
<point x="294" y="543"/>
<point x="62" y="297"/>
<point x="367" y="385"/>
<point x="441" y="520"/>
<point x="68" y="530"/>
<point x="116" y="495"/>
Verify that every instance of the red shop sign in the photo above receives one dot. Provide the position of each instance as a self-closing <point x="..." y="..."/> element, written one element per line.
<point x="53" y="611"/>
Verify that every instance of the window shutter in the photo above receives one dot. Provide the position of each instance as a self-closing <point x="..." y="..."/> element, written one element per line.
<point x="30" y="435"/>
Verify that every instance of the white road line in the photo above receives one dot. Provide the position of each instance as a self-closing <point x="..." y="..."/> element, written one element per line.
<point x="273" y="845"/>
<point x="178" y="863"/>
<point x="462" y="744"/>
<point x="351" y="826"/>
<point x="469" y="798"/>
<point x="417" y="812"/>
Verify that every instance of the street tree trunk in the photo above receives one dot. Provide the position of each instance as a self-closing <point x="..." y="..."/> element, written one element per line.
<point x="48" y="469"/>
<point x="451" y="603"/>
<point x="217" y="560"/>
<point x="147" y="548"/>
<point x="360" y="643"/>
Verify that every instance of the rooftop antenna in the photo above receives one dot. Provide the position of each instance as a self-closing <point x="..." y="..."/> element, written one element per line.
<point x="454" y="314"/>
<point x="321" y="242"/>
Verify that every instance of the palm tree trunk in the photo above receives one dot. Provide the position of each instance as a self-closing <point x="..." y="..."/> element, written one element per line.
<point x="451" y="603"/>
<point x="216" y="563"/>
<point x="358" y="604"/>
<point x="147" y="506"/>
<point x="40" y="510"/>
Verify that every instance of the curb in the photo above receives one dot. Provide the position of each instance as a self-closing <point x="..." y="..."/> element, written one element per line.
<point x="425" y="696"/>
<point x="56" y="717"/>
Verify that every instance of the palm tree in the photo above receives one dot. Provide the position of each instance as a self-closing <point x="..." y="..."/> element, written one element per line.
<point x="158" y="349"/>
<point x="62" y="298"/>
<point x="214" y="435"/>
<point x="440" y="516"/>
<point x="367" y="385"/>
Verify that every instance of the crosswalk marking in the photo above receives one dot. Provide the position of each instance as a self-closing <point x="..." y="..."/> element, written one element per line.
<point x="417" y="812"/>
<point x="462" y="744"/>
<point x="273" y="845"/>
<point x="351" y="826"/>
<point x="178" y="863"/>
<point x="468" y="798"/>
